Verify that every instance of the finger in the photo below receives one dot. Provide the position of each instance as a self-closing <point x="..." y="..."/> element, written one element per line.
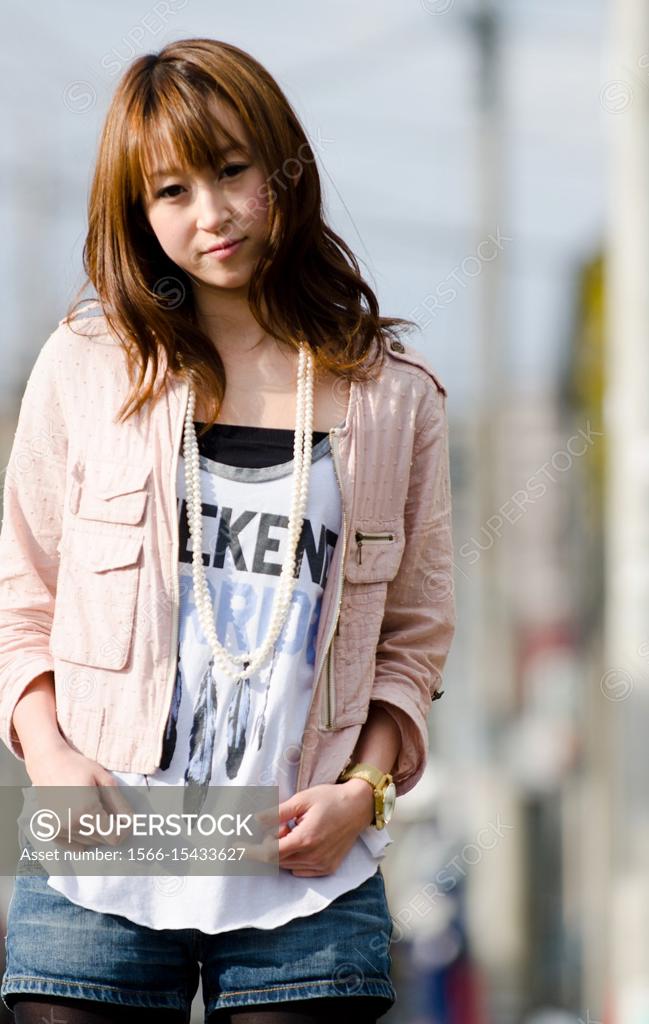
<point x="77" y="836"/>
<point x="93" y="811"/>
<point x="255" y="853"/>
<point x="75" y="839"/>
<point x="114" y="799"/>
<point x="116" y="804"/>
<point x="291" y="843"/>
<point x="276" y="832"/>
<point x="266" y="850"/>
<point x="295" y="807"/>
<point x="106" y="830"/>
<point x="268" y="816"/>
<point x="273" y="831"/>
<point x="116" y="827"/>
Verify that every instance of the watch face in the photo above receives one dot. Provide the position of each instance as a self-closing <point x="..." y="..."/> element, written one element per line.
<point x="389" y="799"/>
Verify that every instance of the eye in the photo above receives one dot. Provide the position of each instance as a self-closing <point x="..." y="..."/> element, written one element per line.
<point x="235" y="168"/>
<point x="163" y="191"/>
<point x="230" y="170"/>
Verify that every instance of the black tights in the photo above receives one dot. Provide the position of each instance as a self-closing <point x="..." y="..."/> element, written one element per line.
<point x="41" y="1009"/>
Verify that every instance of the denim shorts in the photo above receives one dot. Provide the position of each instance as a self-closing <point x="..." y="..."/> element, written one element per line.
<point x="56" y="947"/>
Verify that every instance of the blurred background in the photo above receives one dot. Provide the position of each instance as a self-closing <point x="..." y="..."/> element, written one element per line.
<point x="488" y="162"/>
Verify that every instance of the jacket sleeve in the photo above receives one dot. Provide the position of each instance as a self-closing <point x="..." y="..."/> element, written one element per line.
<point x="419" y="619"/>
<point x="33" y="493"/>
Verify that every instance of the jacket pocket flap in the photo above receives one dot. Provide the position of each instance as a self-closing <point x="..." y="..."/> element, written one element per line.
<point x="110" y="479"/>
<point x="374" y="554"/>
<point x="100" y="551"/>
<point x="113" y="492"/>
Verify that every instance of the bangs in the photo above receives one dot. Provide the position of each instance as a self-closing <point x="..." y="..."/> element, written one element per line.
<point x="181" y="129"/>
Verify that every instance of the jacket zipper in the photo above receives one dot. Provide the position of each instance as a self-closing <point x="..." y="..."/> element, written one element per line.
<point x="331" y="699"/>
<point x="171" y="672"/>
<point x="362" y="537"/>
<point x="329" y="688"/>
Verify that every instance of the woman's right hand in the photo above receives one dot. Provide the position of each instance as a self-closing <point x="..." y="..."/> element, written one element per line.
<point x="62" y="766"/>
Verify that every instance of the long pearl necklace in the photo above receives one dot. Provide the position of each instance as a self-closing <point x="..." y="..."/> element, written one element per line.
<point x="302" y="450"/>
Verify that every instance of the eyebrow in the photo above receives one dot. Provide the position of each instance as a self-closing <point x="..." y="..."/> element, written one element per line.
<point x="164" y="171"/>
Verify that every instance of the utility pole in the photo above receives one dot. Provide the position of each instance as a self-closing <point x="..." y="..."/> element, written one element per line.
<point x="626" y="690"/>
<point x="496" y="940"/>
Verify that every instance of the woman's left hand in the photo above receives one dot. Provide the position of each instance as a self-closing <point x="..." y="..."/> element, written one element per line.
<point x="329" y="819"/>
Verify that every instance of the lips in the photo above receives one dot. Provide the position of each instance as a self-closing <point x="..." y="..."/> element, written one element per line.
<point x="224" y="245"/>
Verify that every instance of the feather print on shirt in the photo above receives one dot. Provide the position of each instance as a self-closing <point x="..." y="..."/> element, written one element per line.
<point x="169" y="743"/>
<point x="201" y="744"/>
<point x="260" y="721"/>
<point x="237" y="724"/>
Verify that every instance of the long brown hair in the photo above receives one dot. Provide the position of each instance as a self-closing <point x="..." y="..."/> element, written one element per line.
<point x="308" y="278"/>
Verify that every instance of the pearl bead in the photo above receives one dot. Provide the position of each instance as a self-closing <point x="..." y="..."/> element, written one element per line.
<point x="302" y="453"/>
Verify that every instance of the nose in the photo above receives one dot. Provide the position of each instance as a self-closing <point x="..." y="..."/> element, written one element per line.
<point x="213" y="210"/>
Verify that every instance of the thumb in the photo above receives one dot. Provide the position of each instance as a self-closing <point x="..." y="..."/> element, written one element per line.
<point x="113" y="796"/>
<point x="113" y="799"/>
<point x="294" y="807"/>
<point x="291" y="808"/>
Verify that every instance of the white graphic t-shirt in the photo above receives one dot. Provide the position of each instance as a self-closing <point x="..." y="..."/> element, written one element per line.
<point x="248" y="733"/>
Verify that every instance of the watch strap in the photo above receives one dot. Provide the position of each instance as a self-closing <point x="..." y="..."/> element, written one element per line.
<point x="379" y="780"/>
<point x="363" y="770"/>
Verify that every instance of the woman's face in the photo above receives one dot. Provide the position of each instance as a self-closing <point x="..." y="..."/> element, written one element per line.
<point x="190" y="213"/>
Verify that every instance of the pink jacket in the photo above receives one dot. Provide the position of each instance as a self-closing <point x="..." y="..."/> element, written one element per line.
<point x="89" y="560"/>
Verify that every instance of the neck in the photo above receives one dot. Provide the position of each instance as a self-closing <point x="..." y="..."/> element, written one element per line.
<point x="227" y="321"/>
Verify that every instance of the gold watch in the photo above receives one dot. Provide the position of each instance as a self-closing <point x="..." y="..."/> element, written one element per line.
<point x="385" y="793"/>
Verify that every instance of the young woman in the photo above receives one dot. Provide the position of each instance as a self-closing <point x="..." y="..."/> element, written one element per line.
<point x="226" y="556"/>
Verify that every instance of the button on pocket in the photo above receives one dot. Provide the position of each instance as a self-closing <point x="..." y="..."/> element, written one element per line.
<point x="96" y="594"/>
